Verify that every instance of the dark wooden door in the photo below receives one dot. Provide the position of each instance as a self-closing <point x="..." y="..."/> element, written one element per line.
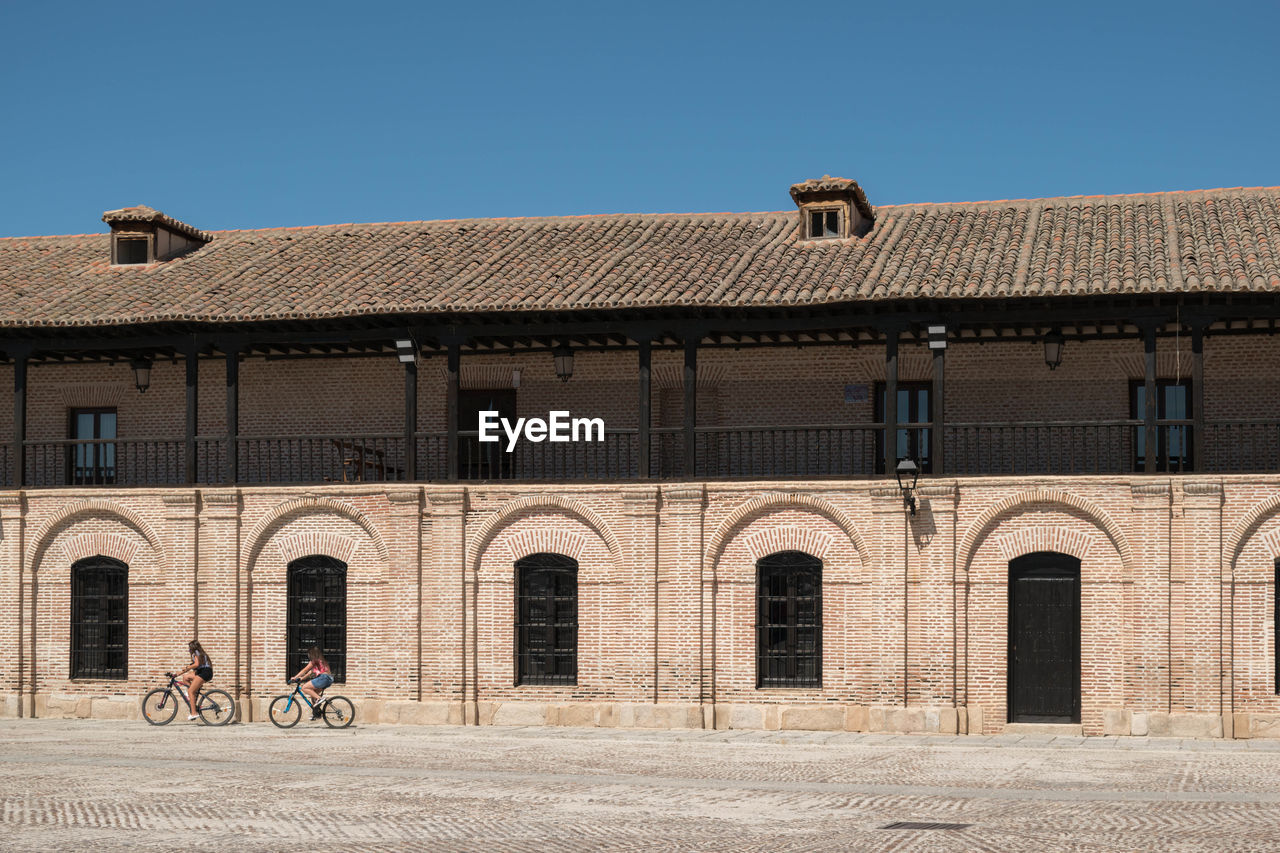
<point x="488" y="460"/>
<point x="1044" y="639"/>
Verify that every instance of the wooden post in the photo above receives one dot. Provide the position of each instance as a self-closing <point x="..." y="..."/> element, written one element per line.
<point x="1149" y="410"/>
<point x="690" y="404"/>
<point x="890" y="401"/>
<point x="411" y="419"/>
<point x="938" y="402"/>
<point x="192" y="359"/>
<point x="1197" y="399"/>
<point x="451" y="409"/>
<point x="19" y="416"/>
<point x="645" y="405"/>
<point x="233" y="413"/>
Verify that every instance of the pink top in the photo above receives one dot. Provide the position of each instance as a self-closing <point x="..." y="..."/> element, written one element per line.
<point x="319" y="667"/>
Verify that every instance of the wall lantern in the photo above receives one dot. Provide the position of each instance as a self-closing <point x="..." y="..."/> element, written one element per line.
<point x="1053" y="344"/>
<point x="908" y="472"/>
<point x="406" y="351"/>
<point x="564" y="362"/>
<point x="141" y="373"/>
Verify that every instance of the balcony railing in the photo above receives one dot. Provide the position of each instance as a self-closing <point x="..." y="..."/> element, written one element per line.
<point x="720" y="452"/>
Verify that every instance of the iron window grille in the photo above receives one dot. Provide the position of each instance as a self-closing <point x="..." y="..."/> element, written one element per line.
<point x="547" y="620"/>
<point x="789" y="620"/>
<point x="99" y="618"/>
<point x="317" y="602"/>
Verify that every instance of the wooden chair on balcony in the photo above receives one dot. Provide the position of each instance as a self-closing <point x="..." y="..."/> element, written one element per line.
<point x="361" y="462"/>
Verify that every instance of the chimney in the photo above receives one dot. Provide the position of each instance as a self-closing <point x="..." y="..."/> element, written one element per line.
<point x="832" y="209"/>
<point x="144" y="235"/>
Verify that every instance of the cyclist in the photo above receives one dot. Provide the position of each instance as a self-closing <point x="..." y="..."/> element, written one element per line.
<point x="322" y="677"/>
<point x="195" y="674"/>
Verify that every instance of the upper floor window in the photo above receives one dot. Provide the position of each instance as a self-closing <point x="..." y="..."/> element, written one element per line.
<point x="789" y="620"/>
<point x="92" y="462"/>
<point x="487" y="461"/>
<point x="99" y="618"/>
<point x="547" y="619"/>
<point x="1173" y="440"/>
<point x="915" y="406"/>
<point x="317" y="603"/>
<point x="825" y="223"/>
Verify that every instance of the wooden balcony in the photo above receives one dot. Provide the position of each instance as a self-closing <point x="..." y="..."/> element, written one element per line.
<point x="817" y="451"/>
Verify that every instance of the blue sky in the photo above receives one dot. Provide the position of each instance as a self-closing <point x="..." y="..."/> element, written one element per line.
<point x="233" y="115"/>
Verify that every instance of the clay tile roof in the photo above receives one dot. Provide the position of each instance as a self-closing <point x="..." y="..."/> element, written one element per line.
<point x="142" y="213"/>
<point x="1208" y="240"/>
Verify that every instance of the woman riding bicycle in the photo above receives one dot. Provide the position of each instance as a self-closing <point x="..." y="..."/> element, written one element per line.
<point x="195" y="674"/>
<point x="322" y="677"/>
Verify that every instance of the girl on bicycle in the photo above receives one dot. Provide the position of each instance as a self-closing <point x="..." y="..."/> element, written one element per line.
<point x="195" y="674"/>
<point x="322" y="677"/>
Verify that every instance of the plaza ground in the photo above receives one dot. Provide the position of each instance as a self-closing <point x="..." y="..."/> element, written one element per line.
<point x="123" y="785"/>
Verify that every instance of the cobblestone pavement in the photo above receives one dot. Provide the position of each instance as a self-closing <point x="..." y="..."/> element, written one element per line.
<point x="120" y="785"/>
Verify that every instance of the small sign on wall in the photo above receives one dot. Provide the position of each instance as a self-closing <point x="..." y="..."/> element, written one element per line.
<point x="856" y="394"/>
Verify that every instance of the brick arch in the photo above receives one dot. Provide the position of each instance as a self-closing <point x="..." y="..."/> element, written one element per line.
<point x="101" y="545"/>
<point x="316" y="542"/>
<point x="540" y="540"/>
<point x="72" y="511"/>
<point x="1046" y="497"/>
<point x="756" y="507"/>
<point x="522" y="506"/>
<point x="311" y="505"/>
<point x="1249" y="525"/>
<point x="776" y="539"/>
<point x="1060" y="540"/>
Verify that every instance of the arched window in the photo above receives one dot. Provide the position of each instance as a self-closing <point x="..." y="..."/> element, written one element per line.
<point x="547" y="620"/>
<point x="99" y="618"/>
<point x="789" y="620"/>
<point x="317" y="613"/>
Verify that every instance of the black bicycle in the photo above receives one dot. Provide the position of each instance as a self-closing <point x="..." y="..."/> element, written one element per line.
<point x="286" y="709"/>
<point x="161" y="705"/>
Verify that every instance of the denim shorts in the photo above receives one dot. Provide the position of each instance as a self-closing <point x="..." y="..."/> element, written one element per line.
<point x="320" y="682"/>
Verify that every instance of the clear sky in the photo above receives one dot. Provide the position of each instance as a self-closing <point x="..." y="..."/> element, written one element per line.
<point x="230" y="115"/>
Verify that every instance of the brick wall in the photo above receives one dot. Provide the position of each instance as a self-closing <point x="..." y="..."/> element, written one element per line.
<point x="1177" y="624"/>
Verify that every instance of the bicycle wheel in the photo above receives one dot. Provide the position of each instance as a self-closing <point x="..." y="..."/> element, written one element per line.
<point x="283" y="713"/>
<point x="159" y="706"/>
<point x="216" y="707"/>
<point x="339" y="712"/>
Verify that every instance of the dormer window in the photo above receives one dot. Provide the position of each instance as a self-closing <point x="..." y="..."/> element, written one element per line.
<point x="142" y="235"/>
<point x="131" y="250"/>
<point x="832" y="209"/>
<point x="825" y="223"/>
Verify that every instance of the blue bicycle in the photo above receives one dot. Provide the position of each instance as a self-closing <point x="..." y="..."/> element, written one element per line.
<point x="286" y="709"/>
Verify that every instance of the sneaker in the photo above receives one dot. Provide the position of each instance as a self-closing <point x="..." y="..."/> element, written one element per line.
<point x="191" y="717"/>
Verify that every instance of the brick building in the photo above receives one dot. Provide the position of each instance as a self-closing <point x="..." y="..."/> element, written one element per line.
<point x="269" y="439"/>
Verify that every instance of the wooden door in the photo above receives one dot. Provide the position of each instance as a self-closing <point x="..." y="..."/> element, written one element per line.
<point x="1044" y="639"/>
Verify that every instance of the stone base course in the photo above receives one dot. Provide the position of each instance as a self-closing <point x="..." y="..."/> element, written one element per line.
<point x="773" y="717"/>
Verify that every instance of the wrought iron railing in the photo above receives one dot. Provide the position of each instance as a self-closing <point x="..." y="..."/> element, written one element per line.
<point x="329" y="458"/>
<point x="720" y="452"/>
